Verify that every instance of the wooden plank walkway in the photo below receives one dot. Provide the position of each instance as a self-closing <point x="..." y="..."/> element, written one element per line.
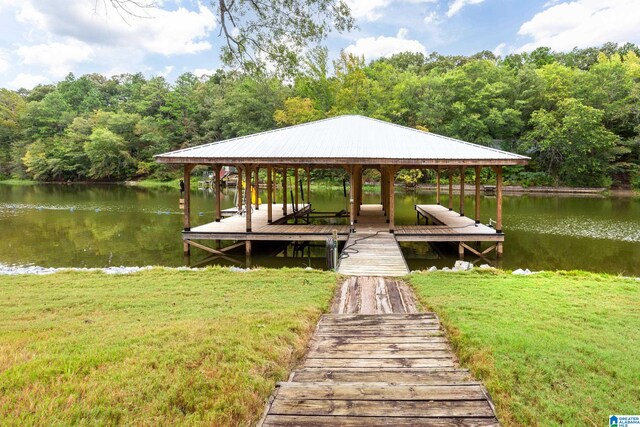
<point x="372" y="254"/>
<point x="452" y="220"/>
<point x="235" y="223"/>
<point x="233" y="227"/>
<point x="366" y="368"/>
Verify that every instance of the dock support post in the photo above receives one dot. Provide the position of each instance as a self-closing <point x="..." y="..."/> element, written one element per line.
<point x="247" y="253"/>
<point x="216" y="170"/>
<point x="187" y="204"/>
<point x="358" y="189"/>
<point x="460" y="251"/>
<point x="256" y="186"/>
<point x="247" y="215"/>
<point x="296" y="179"/>
<point x="239" y="188"/>
<point x="450" y="176"/>
<point x="308" y="172"/>
<point x="284" y="191"/>
<point x="499" y="248"/>
<point x="392" y="197"/>
<point x="273" y="185"/>
<point x="477" y="194"/>
<point x="499" y="199"/>
<point x="269" y="195"/>
<point x="462" y="190"/>
<point x="351" y="199"/>
<point x="383" y="189"/>
<point x="438" y="185"/>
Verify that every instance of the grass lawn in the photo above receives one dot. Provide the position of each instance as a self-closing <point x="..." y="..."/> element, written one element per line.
<point x="159" y="347"/>
<point x="18" y="182"/>
<point x="553" y="348"/>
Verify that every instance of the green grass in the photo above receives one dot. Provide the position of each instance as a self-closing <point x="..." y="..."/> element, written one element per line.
<point x="18" y="182"/>
<point x="553" y="348"/>
<point x="152" y="183"/>
<point x="159" y="347"/>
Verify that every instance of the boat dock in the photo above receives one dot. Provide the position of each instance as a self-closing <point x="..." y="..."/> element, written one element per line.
<point x="371" y="249"/>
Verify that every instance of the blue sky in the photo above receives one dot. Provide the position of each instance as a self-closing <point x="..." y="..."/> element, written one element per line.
<point x="43" y="40"/>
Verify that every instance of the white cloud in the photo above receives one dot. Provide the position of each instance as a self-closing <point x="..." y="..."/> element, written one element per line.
<point x="402" y="33"/>
<point x="583" y="23"/>
<point x="457" y="5"/>
<point x="432" y="17"/>
<point x="165" y="71"/>
<point x="367" y="9"/>
<point x="166" y="32"/>
<point x="4" y="62"/>
<point x="27" y="81"/>
<point x="59" y="58"/>
<point x="199" y="72"/>
<point x="376" y="47"/>
<point x="499" y="50"/>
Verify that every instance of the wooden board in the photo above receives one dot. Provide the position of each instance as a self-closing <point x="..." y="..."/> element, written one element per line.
<point x="450" y="376"/>
<point x="382" y="408"/>
<point x="379" y="369"/>
<point x="377" y="254"/>
<point x="450" y="226"/>
<point x="346" y="421"/>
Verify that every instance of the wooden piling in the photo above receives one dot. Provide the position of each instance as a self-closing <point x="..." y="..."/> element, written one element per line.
<point x="352" y="218"/>
<point x="187" y="204"/>
<point x="296" y="183"/>
<point x="248" y="209"/>
<point x="461" y="190"/>
<point x="239" y="187"/>
<point x="284" y="190"/>
<point x="392" y="197"/>
<point x="256" y="186"/>
<point x="477" y="195"/>
<point x="308" y="173"/>
<point x="269" y="195"/>
<point x="499" y="199"/>
<point x="438" y="185"/>
<point x="450" y="175"/>
<point x="216" y="170"/>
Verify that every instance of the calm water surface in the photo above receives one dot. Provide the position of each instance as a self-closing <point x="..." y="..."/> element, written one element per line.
<point x="99" y="226"/>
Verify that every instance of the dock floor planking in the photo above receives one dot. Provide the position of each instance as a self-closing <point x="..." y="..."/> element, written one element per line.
<point x="376" y="361"/>
<point x="376" y="254"/>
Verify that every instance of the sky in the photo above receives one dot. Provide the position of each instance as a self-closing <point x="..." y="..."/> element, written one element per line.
<point x="41" y="41"/>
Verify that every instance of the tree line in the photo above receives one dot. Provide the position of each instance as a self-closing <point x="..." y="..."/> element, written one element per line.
<point x="576" y="114"/>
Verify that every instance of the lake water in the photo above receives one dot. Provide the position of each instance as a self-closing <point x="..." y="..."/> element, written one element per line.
<point x="113" y="225"/>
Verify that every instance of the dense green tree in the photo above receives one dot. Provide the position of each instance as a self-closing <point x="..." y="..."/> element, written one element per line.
<point x="577" y="114"/>
<point x="108" y="156"/>
<point x="12" y="106"/>
<point x="572" y="144"/>
<point x="297" y="110"/>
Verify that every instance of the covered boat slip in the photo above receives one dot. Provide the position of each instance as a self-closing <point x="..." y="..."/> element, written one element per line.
<point x="353" y="144"/>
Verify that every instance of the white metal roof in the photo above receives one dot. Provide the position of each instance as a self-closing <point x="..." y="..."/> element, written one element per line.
<point x="349" y="138"/>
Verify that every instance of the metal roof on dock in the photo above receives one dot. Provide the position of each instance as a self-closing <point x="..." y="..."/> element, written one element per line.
<point x="344" y="139"/>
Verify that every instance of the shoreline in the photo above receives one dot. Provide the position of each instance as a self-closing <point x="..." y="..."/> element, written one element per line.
<point x="469" y="187"/>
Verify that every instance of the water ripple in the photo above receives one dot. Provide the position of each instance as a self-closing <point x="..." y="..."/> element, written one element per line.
<point x="610" y="229"/>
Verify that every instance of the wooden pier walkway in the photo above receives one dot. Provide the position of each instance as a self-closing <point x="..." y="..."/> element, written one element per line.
<point x="372" y="254"/>
<point x="376" y="361"/>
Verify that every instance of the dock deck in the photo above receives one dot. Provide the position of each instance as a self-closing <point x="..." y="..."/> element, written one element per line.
<point x="376" y="361"/>
<point x="448" y="226"/>
<point x="370" y="250"/>
<point x="233" y="227"/>
<point x="372" y="254"/>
